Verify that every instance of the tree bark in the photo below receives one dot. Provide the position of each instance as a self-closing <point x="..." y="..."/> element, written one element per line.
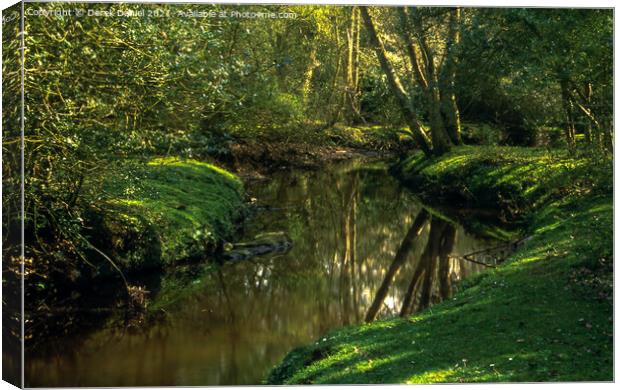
<point x="351" y="91"/>
<point x="449" y="107"/>
<point x="441" y="141"/>
<point x="588" y="128"/>
<point x="309" y="74"/>
<point x="426" y="75"/>
<point x="569" y="126"/>
<point x="395" y="85"/>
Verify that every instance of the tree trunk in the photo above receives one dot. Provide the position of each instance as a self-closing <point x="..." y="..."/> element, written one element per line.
<point x="351" y="91"/>
<point x="452" y="117"/>
<point x="441" y="140"/>
<point x="308" y="75"/>
<point x="335" y="113"/>
<point x="569" y="126"/>
<point x="439" y="136"/>
<point x="449" y="106"/>
<point x="395" y="85"/>
<point x="356" y="49"/>
<point x="609" y="138"/>
<point x="587" y="131"/>
<point x="424" y="69"/>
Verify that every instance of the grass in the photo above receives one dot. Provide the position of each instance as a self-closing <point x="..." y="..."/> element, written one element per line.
<point x="172" y="210"/>
<point x="514" y="180"/>
<point x="544" y="315"/>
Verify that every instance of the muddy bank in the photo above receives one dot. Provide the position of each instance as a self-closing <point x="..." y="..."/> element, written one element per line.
<point x="251" y="160"/>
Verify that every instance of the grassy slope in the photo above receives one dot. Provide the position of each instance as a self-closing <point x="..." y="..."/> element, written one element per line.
<point x="515" y="180"/>
<point x="177" y="209"/>
<point x="545" y="315"/>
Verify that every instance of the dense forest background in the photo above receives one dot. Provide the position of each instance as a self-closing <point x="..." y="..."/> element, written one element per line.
<point x="105" y="92"/>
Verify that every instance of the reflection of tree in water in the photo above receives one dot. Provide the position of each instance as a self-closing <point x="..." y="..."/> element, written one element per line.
<point x="399" y="259"/>
<point x="355" y="250"/>
<point x="348" y="290"/>
<point x="431" y="278"/>
<point x="433" y="274"/>
<point x="233" y="331"/>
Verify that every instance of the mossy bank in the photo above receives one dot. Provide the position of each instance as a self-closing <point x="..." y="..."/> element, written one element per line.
<point x="544" y="315"/>
<point x="171" y="210"/>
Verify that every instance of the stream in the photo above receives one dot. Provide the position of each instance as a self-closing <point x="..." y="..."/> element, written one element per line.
<point x="362" y="248"/>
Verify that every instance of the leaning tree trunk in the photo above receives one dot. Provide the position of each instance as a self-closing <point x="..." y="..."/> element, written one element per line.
<point x="395" y="85"/>
<point x="426" y="75"/>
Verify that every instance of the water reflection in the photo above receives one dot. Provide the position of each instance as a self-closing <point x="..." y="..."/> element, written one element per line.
<point x="363" y="249"/>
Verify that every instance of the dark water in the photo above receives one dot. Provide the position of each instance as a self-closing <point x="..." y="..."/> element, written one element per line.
<point x="363" y="247"/>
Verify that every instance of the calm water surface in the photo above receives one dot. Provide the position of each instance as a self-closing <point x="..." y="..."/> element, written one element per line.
<point x="363" y="248"/>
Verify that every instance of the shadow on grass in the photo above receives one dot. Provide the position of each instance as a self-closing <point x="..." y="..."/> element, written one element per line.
<point x="524" y="321"/>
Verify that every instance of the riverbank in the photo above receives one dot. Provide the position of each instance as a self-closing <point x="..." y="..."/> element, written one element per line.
<point x="264" y="306"/>
<point x="308" y="148"/>
<point x="150" y="215"/>
<point x="175" y="210"/>
<point x="544" y="315"/>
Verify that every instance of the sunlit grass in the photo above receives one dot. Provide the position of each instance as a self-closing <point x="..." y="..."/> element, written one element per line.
<point x="177" y="209"/>
<point x="544" y="315"/>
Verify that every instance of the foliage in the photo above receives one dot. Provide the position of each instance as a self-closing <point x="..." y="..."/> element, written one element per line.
<point x="481" y="134"/>
<point x="103" y="91"/>
<point x="11" y="196"/>
<point x="515" y="82"/>
<point x="371" y="137"/>
<point x="127" y="120"/>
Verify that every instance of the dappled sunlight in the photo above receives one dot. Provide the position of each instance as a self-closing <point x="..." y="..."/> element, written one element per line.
<point x="191" y="204"/>
<point x="538" y="310"/>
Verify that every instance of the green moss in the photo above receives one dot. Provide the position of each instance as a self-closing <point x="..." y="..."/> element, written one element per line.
<point x="170" y="210"/>
<point x="544" y="315"/>
<point x="511" y="179"/>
